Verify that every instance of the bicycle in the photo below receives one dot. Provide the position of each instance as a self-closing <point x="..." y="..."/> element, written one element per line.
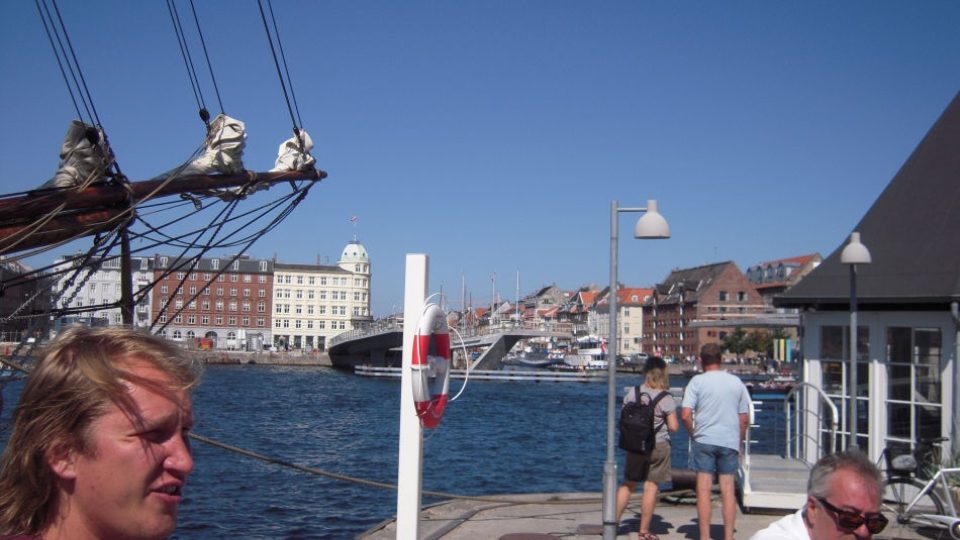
<point x="913" y="501"/>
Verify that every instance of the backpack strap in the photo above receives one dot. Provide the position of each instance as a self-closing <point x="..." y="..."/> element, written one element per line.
<point x="656" y="400"/>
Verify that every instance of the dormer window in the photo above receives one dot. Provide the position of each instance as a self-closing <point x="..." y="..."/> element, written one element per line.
<point x="263" y="266"/>
<point x="215" y="264"/>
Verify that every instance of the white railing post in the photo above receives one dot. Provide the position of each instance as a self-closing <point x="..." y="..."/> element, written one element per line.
<point x="410" y="459"/>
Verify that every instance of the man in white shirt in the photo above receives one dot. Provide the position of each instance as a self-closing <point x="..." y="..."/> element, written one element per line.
<point x="844" y="493"/>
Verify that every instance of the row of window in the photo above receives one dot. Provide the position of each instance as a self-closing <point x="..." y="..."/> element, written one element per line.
<point x="320" y="310"/>
<point x="320" y="280"/>
<point x="215" y="264"/>
<point x="190" y="334"/>
<point x="234" y="278"/>
<point x="309" y="324"/>
<point x="298" y="294"/>
<point x="218" y="305"/>
<point x="217" y="320"/>
<point x="192" y="291"/>
<point x="724" y="296"/>
<point x="914" y="364"/>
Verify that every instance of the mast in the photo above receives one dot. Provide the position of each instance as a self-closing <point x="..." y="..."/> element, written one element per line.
<point x="126" y="278"/>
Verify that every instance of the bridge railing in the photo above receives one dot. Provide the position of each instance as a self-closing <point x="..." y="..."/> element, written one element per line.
<point x="393" y="325"/>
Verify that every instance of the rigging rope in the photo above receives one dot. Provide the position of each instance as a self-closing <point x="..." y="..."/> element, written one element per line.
<point x="188" y="62"/>
<point x="283" y="83"/>
<point x="73" y="55"/>
<point x="203" y="43"/>
<point x="76" y="72"/>
<point x="53" y="46"/>
<point x="283" y="57"/>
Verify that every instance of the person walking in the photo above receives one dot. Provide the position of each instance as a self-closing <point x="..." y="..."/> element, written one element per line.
<point x="652" y="468"/>
<point x="715" y="411"/>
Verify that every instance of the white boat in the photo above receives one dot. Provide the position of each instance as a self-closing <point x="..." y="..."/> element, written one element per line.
<point x="590" y="354"/>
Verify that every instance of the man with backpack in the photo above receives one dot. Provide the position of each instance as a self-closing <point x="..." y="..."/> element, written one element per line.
<point x="647" y="410"/>
<point x="721" y="404"/>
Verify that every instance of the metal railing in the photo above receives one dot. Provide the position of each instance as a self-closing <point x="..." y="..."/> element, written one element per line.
<point x="808" y="427"/>
<point x="392" y="325"/>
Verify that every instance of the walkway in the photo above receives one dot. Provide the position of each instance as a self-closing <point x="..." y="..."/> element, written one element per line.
<point x="579" y="519"/>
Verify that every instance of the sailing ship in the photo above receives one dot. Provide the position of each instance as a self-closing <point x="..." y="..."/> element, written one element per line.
<point x="193" y="208"/>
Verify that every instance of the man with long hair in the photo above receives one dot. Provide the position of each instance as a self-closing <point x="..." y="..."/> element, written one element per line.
<point x="99" y="446"/>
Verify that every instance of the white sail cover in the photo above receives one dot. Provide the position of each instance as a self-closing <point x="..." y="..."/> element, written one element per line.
<point x="81" y="160"/>
<point x="291" y="157"/>
<point x="223" y="149"/>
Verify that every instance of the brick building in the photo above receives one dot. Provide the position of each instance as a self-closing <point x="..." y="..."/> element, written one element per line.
<point x="703" y="294"/>
<point x="218" y="303"/>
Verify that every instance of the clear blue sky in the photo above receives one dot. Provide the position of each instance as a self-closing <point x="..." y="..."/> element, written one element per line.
<point x="493" y="136"/>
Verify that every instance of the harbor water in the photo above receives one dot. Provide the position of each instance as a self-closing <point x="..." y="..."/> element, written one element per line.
<point x="497" y="438"/>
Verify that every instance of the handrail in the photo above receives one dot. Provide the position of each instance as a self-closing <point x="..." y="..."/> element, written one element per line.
<point x="824" y="399"/>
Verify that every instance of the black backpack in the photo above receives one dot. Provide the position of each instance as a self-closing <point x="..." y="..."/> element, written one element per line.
<point x="637" y="434"/>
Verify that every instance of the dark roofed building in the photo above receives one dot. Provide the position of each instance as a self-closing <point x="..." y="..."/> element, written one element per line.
<point x="706" y="294"/>
<point x="774" y="277"/>
<point x="907" y="329"/>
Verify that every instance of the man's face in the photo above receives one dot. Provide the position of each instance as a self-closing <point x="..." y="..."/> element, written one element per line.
<point x="129" y="481"/>
<point x="847" y="492"/>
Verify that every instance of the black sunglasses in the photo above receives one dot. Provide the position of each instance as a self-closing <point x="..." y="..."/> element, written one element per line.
<point x="851" y="521"/>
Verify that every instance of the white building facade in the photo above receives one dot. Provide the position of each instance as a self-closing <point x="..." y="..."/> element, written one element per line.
<point x="92" y="294"/>
<point x="313" y="303"/>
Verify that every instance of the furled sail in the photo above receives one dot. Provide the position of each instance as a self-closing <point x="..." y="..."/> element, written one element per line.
<point x="294" y="157"/>
<point x="223" y="149"/>
<point x="84" y="157"/>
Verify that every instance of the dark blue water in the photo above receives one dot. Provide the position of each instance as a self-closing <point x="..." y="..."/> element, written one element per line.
<point x="499" y="437"/>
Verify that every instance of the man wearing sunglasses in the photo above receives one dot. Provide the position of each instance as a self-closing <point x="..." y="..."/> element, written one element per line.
<point x="843" y="502"/>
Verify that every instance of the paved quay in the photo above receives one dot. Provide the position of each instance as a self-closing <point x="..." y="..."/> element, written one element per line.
<point x="577" y="516"/>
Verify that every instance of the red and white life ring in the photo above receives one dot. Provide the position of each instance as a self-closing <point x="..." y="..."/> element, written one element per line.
<point x="431" y="366"/>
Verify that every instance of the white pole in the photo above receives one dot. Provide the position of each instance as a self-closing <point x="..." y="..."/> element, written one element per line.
<point x="518" y="298"/>
<point x="410" y="459"/>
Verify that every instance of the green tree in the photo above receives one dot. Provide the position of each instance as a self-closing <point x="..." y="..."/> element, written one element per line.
<point x="761" y="342"/>
<point x="736" y="342"/>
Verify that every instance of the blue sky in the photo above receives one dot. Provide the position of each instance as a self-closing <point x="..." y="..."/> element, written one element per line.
<point x="493" y="136"/>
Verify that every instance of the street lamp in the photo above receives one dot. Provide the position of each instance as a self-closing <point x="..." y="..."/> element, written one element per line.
<point x="650" y="225"/>
<point x="853" y="254"/>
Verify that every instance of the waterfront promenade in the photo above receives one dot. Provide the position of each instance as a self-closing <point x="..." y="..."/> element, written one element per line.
<point x="577" y="516"/>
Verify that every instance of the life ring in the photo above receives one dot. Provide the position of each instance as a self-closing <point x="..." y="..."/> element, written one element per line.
<point x="431" y="366"/>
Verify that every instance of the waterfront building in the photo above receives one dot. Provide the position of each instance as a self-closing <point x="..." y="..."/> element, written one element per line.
<point x="630" y="302"/>
<point x="28" y="297"/>
<point x="774" y="277"/>
<point x="89" y="293"/>
<point x="691" y="307"/>
<point x="313" y="302"/>
<point x="908" y="324"/>
<point x="217" y="302"/>
<point x="577" y="312"/>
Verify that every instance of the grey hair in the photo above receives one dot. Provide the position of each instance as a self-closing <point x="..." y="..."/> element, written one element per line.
<point x="852" y="460"/>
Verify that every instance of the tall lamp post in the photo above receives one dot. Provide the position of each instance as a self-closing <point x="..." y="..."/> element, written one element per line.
<point x="853" y="254"/>
<point x="650" y="225"/>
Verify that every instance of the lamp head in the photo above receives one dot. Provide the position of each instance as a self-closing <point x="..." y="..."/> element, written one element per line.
<point x="855" y="252"/>
<point x="651" y="224"/>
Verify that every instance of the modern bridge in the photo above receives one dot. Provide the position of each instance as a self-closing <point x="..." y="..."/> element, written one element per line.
<point x="381" y="343"/>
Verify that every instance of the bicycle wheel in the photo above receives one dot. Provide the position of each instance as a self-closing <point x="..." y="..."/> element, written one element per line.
<point x="901" y="492"/>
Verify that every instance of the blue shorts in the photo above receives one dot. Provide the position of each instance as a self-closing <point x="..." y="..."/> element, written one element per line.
<point x="711" y="459"/>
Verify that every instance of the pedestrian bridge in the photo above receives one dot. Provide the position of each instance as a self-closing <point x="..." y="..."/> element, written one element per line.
<point x="381" y="344"/>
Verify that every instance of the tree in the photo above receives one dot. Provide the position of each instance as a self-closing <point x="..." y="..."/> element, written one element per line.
<point x="736" y="342"/>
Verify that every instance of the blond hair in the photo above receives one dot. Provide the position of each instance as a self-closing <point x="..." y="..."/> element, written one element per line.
<point x="79" y="376"/>
<point x="655" y="374"/>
